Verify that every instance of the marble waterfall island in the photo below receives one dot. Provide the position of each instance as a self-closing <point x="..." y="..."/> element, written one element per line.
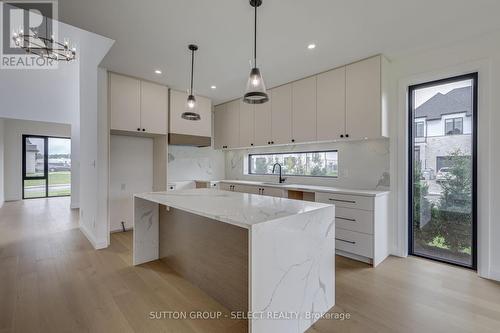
<point x="271" y="259"/>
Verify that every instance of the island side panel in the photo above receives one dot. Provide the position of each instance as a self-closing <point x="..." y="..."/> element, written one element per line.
<point x="145" y="235"/>
<point x="210" y="254"/>
<point x="293" y="270"/>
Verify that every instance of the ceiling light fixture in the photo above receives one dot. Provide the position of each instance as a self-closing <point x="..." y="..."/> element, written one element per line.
<point x="158" y="71"/>
<point x="213" y="87"/>
<point x="44" y="47"/>
<point x="256" y="89"/>
<point x="191" y="100"/>
<point x="311" y="46"/>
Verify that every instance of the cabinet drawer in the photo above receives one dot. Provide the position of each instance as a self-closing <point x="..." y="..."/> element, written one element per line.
<point x="354" y="219"/>
<point x="354" y="242"/>
<point x="347" y="201"/>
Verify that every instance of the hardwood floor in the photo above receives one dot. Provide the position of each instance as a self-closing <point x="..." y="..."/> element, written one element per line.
<point x="51" y="280"/>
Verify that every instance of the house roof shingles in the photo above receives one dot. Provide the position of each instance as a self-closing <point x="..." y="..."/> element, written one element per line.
<point x="455" y="101"/>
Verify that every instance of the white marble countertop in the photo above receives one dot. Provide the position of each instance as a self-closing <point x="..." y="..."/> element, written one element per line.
<point x="241" y="209"/>
<point x="311" y="188"/>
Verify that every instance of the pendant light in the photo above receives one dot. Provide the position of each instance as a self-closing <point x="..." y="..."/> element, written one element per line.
<point x="190" y="114"/>
<point x="256" y="89"/>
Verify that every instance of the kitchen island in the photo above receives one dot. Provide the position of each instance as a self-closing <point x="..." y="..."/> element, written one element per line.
<point x="271" y="259"/>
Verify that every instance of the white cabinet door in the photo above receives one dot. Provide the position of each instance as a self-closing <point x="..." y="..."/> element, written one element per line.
<point x="232" y="124"/>
<point x="219" y="126"/>
<point x="246" y="130"/>
<point x="331" y="105"/>
<point x="281" y="111"/>
<point x="125" y="103"/>
<point x="202" y="127"/>
<point x="364" y="99"/>
<point x="272" y="192"/>
<point x="154" y="108"/>
<point x="262" y="124"/>
<point x="304" y="110"/>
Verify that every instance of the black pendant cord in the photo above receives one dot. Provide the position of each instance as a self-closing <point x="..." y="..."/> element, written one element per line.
<point x="255" y="39"/>
<point x="192" y="70"/>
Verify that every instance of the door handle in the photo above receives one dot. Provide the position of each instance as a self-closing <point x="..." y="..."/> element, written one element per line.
<point x="346" y="219"/>
<point x="345" y="241"/>
<point x="338" y="200"/>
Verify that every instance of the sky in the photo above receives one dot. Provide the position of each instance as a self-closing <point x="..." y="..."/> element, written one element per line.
<point x="423" y="95"/>
<point x="56" y="145"/>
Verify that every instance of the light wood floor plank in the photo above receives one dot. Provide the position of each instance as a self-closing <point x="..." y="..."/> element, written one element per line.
<point x="52" y="280"/>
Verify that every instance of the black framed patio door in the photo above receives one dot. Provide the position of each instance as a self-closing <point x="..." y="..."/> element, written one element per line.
<point x="46" y="166"/>
<point x="442" y="174"/>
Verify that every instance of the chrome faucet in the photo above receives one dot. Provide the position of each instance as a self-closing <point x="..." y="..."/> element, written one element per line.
<point x="281" y="179"/>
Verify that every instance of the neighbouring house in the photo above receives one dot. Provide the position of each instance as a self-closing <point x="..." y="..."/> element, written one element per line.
<point x="31" y="151"/>
<point x="443" y="124"/>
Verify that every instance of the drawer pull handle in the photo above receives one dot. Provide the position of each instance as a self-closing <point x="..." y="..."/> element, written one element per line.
<point x="348" y="201"/>
<point x="345" y="218"/>
<point x="345" y="241"/>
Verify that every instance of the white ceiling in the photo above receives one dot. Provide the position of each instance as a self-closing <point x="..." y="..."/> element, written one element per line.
<point x="153" y="34"/>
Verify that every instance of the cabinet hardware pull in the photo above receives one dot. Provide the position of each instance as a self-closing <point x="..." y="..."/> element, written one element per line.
<point x="143" y="129"/>
<point x="268" y="142"/>
<point x="341" y="135"/>
<point x="272" y="142"/>
<point x="293" y="140"/>
<point x="345" y="241"/>
<point x="251" y="144"/>
<point x="348" y="201"/>
<point x="345" y="218"/>
<point x="138" y="129"/>
<point x="347" y="135"/>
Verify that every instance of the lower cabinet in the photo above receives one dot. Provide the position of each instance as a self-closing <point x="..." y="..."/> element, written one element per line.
<point x="361" y="226"/>
<point x="253" y="189"/>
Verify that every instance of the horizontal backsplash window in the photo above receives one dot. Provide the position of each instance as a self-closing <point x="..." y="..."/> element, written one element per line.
<point x="311" y="163"/>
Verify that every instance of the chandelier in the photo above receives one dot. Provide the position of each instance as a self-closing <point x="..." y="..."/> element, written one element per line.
<point x="44" y="47"/>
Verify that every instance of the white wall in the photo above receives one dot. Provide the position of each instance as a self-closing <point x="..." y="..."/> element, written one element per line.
<point x="13" y="131"/>
<point x="362" y="164"/>
<point x="192" y="163"/>
<point x="48" y="96"/>
<point x="2" y="159"/>
<point x="131" y="171"/>
<point x="480" y="55"/>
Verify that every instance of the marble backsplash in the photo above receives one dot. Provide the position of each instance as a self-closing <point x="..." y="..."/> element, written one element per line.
<point x="191" y="163"/>
<point x="362" y="164"/>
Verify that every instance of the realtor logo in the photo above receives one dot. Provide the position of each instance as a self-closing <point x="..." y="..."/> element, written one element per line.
<point x="33" y="23"/>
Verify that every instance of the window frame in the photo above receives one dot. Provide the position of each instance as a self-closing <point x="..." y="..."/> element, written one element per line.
<point x="453" y="122"/>
<point x="249" y="162"/>
<point x="416" y="128"/>
<point x="411" y="156"/>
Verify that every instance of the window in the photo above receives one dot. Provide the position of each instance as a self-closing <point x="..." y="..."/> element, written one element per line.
<point x="419" y="129"/>
<point x="442" y="187"/>
<point x="311" y="164"/>
<point x="454" y="126"/>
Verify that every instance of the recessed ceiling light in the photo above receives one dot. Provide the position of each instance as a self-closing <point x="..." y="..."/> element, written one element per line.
<point x="213" y="87"/>
<point x="158" y="71"/>
<point x="311" y="46"/>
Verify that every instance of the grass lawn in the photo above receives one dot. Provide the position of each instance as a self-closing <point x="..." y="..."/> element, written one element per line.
<point x="55" y="178"/>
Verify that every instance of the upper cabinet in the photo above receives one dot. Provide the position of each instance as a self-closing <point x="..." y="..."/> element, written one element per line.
<point x="154" y="108"/>
<point x="125" y="102"/>
<point x="342" y="104"/>
<point x="281" y="114"/>
<point x="366" y="116"/>
<point x="227" y="123"/>
<point x="262" y="124"/>
<point x="304" y="110"/>
<point x="178" y="125"/>
<point x="330" y="122"/>
<point x="246" y="130"/>
<point x="137" y="106"/>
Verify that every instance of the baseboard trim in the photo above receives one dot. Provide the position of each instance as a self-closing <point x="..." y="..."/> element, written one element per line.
<point x="90" y="237"/>
<point x="120" y="230"/>
<point x="494" y="275"/>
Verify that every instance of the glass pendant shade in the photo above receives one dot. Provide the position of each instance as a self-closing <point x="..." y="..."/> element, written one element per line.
<point x="191" y="102"/>
<point x="190" y="113"/>
<point x="256" y="88"/>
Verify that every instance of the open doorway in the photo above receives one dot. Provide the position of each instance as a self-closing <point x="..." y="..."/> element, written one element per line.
<point x="46" y="166"/>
